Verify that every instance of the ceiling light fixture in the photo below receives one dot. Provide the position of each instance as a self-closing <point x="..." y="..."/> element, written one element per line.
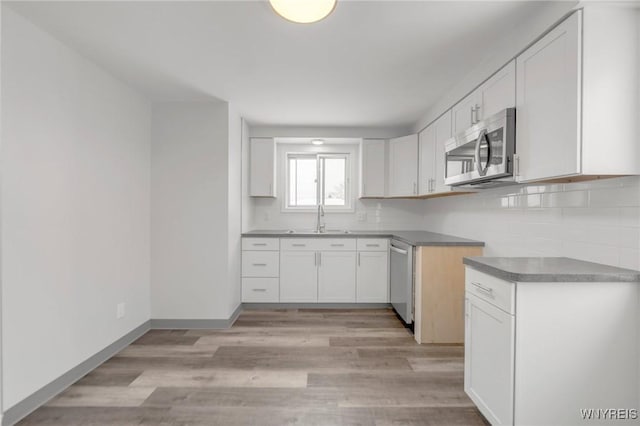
<point x="303" y="11"/>
<point x="317" y="141"/>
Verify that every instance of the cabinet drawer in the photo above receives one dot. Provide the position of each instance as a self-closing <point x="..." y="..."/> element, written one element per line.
<point x="318" y="244"/>
<point x="260" y="290"/>
<point x="373" y="244"/>
<point x="336" y="244"/>
<point x="260" y="263"/>
<point x="491" y="289"/>
<point x="298" y="244"/>
<point x="260" y="244"/>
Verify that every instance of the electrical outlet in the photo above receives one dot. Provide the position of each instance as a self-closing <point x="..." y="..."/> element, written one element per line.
<point x="120" y="310"/>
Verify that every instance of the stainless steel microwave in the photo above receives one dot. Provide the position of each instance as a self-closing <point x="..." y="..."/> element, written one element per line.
<point x="482" y="156"/>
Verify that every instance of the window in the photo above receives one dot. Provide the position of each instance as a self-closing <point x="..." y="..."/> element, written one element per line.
<point x="318" y="178"/>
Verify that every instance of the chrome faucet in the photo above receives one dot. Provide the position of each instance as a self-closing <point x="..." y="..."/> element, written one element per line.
<point x="320" y="226"/>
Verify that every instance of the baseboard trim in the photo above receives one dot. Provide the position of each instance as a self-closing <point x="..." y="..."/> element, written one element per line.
<point x="257" y="306"/>
<point x="170" y="324"/>
<point x="44" y="394"/>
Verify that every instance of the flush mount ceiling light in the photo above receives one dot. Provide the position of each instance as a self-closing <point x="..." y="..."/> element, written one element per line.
<point x="303" y="11"/>
<point x="317" y="141"/>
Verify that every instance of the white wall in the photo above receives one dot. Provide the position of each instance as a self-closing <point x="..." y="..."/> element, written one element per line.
<point x="234" y="200"/>
<point x="597" y="221"/>
<point x="195" y="188"/>
<point x="75" y="208"/>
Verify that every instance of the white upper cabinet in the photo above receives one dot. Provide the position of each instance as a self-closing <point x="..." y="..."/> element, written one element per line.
<point x="373" y="168"/>
<point x="427" y="149"/>
<point x="494" y="95"/>
<point x="443" y="132"/>
<point x="577" y="99"/>
<point x="403" y="166"/>
<point x="432" y="140"/>
<point x="262" y="169"/>
<point x="548" y="108"/>
<point x="464" y="113"/>
<point x="498" y="92"/>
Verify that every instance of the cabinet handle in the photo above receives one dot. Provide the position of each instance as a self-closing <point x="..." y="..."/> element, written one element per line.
<point x="472" y="117"/>
<point x="299" y="245"/>
<point x="516" y="165"/>
<point x="372" y="245"/>
<point x="337" y="245"/>
<point x="315" y="259"/>
<point x="483" y="289"/>
<point x="261" y="290"/>
<point x="259" y="244"/>
<point x="359" y="258"/>
<point x="415" y="191"/>
<point x="259" y="264"/>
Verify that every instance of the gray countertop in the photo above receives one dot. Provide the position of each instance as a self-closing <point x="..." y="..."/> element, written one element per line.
<point x="414" y="238"/>
<point x="550" y="269"/>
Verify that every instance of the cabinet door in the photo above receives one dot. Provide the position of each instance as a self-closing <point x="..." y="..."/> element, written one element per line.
<point x="373" y="277"/>
<point x="403" y="166"/>
<point x="337" y="276"/>
<point x="373" y="168"/>
<point x="442" y="130"/>
<point x="489" y="359"/>
<point x="548" y="104"/>
<point x="427" y="148"/>
<point x="298" y="276"/>
<point x="262" y="170"/>
<point x="463" y="115"/>
<point x="499" y="92"/>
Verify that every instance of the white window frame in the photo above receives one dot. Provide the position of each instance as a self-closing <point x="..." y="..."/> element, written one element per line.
<point x="349" y="201"/>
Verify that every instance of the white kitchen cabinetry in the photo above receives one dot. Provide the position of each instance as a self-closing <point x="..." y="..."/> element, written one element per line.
<point x="299" y="276"/>
<point x="432" y="140"/>
<point x="373" y="168"/>
<point x="373" y="271"/>
<point x="577" y="90"/>
<point x="494" y="95"/>
<point x="403" y="166"/>
<point x="260" y="269"/>
<point x="318" y="270"/>
<point x="262" y="167"/>
<point x="538" y="353"/>
<point x="337" y="276"/>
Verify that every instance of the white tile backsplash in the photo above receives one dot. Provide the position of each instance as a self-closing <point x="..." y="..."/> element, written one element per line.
<point x="597" y="221"/>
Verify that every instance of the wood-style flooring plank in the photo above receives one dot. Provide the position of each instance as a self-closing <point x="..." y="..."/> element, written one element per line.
<point x="101" y="396"/>
<point x="169" y="351"/>
<point x="295" y="341"/>
<point x="221" y="378"/>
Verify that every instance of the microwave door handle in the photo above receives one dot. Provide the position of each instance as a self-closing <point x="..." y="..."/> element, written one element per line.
<point x="479" y="168"/>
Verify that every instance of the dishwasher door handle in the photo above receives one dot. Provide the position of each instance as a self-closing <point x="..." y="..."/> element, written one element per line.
<point x="397" y="250"/>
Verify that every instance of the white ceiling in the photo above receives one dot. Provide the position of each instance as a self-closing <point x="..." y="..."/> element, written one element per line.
<point x="370" y="63"/>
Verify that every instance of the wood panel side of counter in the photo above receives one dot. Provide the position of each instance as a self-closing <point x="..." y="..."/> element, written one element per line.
<point x="439" y="293"/>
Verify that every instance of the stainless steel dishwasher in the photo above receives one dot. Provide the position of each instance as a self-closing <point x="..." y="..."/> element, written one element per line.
<point x="402" y="279"/>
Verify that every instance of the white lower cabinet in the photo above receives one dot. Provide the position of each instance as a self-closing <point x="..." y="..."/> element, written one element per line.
<point x="315" y="270"/>
<point x="298" y="276"/>
<point x="545" y="353"/>
<point x="260" y="290"/>
<point x="488" y="359"/>
<point x="373" y="277"/>
<point x="337" y="276"/>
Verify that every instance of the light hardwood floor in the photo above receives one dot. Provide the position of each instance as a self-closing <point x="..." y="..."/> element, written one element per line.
<point x="281" y="367"/>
